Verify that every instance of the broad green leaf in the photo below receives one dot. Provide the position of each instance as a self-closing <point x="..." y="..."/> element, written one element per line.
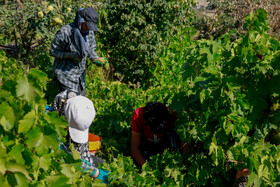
<point x="38" y="78"/>
<point x="99" y="184"/>
<point x="27" y="122"/>
<point x="36" y="174"/>
<point x="70" y="172"/>
<point x="21" y="179"/>
<point x="175" y="173"/>
<point x="202" y="96"/>
<point x="76" y="154"/>
<point x="263" y="171"/>
<point x="230" y="155"/>
<point x="242" y="140"/>
<point x="7" y="116"/>
<point x="4" y="93"/>
<point x="40" y="141"/>
<point x="17" y="179"/>
<point x="43" y="162"/>
<point x="59" y="122"/>
<point x="214" y="149"/>
<point x="3" y="181"/>
<point x="121" y="171"/>
<point x="3" y="159"/>
<point x="57" y="181"/>
<point x="6" y="124"/>
<point x="25" y="90"/>
<point x="43" y="77"/>
<point x="16" y="153"/>
<point x="254" y="179"/>
<point x="15" y="167"/>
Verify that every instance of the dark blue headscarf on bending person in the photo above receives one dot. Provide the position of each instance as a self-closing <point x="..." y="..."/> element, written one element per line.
<point x="79" y="35"/>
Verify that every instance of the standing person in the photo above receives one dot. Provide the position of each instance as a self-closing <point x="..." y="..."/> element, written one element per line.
<point x="153" y="131"/>
<point x="71" y="46"/>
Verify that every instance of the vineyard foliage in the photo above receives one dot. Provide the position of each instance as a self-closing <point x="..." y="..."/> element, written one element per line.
<point x="134" y="32"/>
<point x="29" y="136"/>
<point x="225" y="91"/>
<point x="234" y="92"/>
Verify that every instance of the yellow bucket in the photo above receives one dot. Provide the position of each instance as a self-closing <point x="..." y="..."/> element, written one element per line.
<point x="94" y="142"/>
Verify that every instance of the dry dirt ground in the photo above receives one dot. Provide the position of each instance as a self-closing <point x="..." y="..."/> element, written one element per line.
<point x="202" y="3"/>
<point x="201" y="6"/>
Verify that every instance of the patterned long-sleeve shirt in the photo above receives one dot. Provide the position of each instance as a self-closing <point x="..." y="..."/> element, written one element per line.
<point x="70" y="71"/>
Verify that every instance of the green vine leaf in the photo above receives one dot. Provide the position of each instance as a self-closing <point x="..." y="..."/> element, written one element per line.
<point x="26" y="90"/>
<point x="16" y="153"/>
<point x="43" y="162"/>
<point x="7" y="116"/>
<point x="42" y="142"/>
<point x="13" y="167"/>
<point x="70" y="172"/>
<point x="57" y="181"/>
<point x="27" y="122"/>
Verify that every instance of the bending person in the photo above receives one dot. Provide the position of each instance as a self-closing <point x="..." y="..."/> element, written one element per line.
<point x="80" y="113"/>
<point x="153" y="132"/>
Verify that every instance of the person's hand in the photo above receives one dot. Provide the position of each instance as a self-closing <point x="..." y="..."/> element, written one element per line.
<point x="243" y="172"/>
<point x="60" y="99"/>
<point x="103" y="176"/>
<point x="74" y="55"/>
<point x="101" y="61"/>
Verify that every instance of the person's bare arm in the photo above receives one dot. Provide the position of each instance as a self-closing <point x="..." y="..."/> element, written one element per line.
<point x="135" y="150"/>
<point x="185" y="147"/>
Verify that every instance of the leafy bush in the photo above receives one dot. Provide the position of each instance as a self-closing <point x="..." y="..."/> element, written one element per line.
<point x="165" y="170"/>
<point x="233" y="90"/>
<point x="227" y="104"/>
<point x="134" y="33"/>
<point x="116" y="101"/>
<point x="29" y="28"/>
<point x="226" y="94"/>
<point x="28" y="136"/>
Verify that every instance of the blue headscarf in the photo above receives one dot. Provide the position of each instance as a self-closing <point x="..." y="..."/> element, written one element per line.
<point x="79" y="35"/>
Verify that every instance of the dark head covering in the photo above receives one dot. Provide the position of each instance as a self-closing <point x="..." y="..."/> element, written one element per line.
<point x="90" y="16"/>
<point x="79" y="40"/>
<point x="156" y="115"/>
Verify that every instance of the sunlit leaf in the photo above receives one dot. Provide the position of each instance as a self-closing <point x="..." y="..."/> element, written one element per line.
<point x="7" y="116"/>
<point x="43" y="162"/>
<point x="17" y="179"/>
<point x="26" y="90"/>
<point x="3" y="181"/>
<point x="13" y="167"/>
<point x="27" y="122"/>
<point x="58" y="181"/>
<point x="76" y="154"/>
<point x="60" y="123"/>
<point x="16" y="153"/>
<point x="6" y="124"/>
<point x="263" y="171"/>
<point x="2" y="163"/>
<point x="39" y="74"/>
<point x="254" y="179"/>
<point x="40" y="141"/>
<point x="68" y="170"/>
